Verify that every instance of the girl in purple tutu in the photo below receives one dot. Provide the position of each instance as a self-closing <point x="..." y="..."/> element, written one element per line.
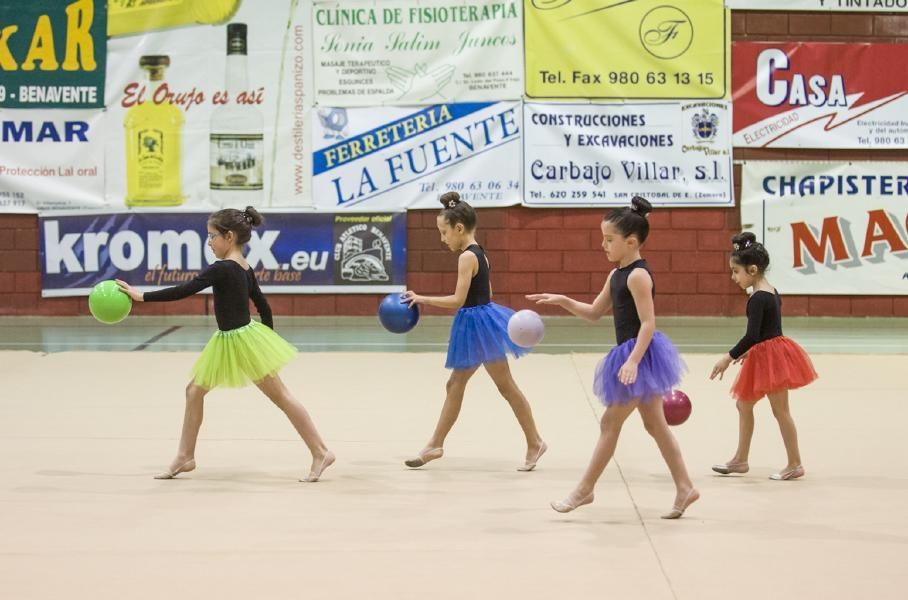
<point x="479" y="334"/>
<point x="641" y="368"/>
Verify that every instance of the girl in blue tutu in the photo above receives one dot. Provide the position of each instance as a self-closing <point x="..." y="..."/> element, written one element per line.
<point x="479" y="334"/>
<point x="242" y="350"/>
<point x="641" y="368"/>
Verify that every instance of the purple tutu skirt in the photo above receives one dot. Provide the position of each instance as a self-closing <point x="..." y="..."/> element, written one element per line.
<point x="479" y="335"/>
<point x="659" y="371"/>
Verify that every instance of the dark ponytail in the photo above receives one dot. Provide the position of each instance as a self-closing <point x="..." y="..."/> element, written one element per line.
<point x="631" y="220"/>
<point x="747" y="251"/>
<point x="457" y="211"/>
<point x="240" y="222"/>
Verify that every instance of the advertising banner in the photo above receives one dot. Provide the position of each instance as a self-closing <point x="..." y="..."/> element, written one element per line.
<point x="820" y="95"/>
<point x="391" y="157"/>
<point x="207" y="106"/>
<point x="830" y="228"/>
<point x="52" y="55"/>
<point x="292" y="252"/>
<point x="672" y="154"/>
<point x="403" y="52"/>
<point x="619" y="49"/>
<point x="839" y="5"/>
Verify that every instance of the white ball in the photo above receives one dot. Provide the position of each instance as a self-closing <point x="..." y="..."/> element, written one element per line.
<point x="525" y="328"/>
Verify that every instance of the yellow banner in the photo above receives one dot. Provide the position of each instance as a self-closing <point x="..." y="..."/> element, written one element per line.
<point x="627" y="49"/>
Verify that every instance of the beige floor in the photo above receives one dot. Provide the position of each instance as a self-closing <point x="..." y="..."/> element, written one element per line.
<point x="81" y="517"/>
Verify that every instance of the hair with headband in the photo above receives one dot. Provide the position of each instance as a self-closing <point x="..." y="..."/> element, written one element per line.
<point x="747" y="251"/>
<point x="631" y="220"/>
<point x="240" y="222"/>
<point x="454" y="210"/>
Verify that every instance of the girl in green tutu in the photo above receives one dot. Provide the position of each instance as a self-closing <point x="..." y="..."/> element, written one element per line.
<point x="242" y="350"/>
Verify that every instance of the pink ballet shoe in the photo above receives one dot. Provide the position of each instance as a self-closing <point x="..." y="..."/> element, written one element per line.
<point x="327" y="461"/>
<point x="425" y="457"/>
<point x="732" y="467"/>
<point x="186" y="467"/>
<point x="795" y="473"/>
<point x="529" y="466"/>
<point x="677" y="511"/>
<point x="566" y="506"/>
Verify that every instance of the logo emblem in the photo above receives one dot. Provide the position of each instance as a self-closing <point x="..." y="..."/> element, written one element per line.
<point x="705" y="126"/>
<point x="666" y="32"/>
<point x="333" y="121"/>
<point x="364" y="254"/>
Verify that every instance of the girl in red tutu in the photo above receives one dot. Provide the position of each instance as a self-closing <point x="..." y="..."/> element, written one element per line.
<point x="772" y="364"/>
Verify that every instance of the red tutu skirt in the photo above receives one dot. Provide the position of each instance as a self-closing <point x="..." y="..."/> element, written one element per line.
<point x="772" y="366"/>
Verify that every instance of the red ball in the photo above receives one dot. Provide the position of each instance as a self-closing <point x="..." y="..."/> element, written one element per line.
<point x="676" y="406"/>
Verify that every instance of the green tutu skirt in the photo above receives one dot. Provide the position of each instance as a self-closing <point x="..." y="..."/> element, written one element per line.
<point x="241" y="356"/>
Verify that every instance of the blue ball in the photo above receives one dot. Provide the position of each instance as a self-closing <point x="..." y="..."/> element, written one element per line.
<point x="396" y="316"/>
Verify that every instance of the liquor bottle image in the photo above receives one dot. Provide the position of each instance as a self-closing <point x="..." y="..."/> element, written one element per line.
<point x="237" y="135"/>
<point x="153" y="131"/>
<point x="125" y="17"/>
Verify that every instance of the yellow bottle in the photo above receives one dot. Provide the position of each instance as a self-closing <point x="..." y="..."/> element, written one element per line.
<point x="153" y="131"/>
<point x="125" y="17"/>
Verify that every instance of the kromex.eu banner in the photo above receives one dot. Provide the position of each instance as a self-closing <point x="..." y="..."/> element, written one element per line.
<point x="820" y="95"/>
<point x="673" y="154"/>
<point x="52" y="55"/>
<point x="293" y="252"/>
<point x="638" y="49"/>
<point x="403" y="52"/>
<point x="830" y="228"/>
<point x="389" y="158"/>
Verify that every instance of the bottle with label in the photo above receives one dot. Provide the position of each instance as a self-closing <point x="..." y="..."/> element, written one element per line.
<point x="153" y="132"/>
<point x="237" y="135"/>
<point x="126" y="17"/>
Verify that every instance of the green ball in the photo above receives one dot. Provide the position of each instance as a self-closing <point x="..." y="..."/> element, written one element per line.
<point x="108" y="303"/>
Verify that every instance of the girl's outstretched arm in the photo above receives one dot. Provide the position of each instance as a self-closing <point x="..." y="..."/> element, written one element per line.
<point x="591" y="312"/>
<point x="467" y="267"/>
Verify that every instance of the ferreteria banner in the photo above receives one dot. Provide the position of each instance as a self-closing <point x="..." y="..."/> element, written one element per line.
<point x="207" y="105"/>
<point x="52" y="55"/>
<point x="293" y="252"/>
<point x="820" y="95"/>
<point x="404" y="52"/>
<point x="840" y="5"/>
<point x="390" y="158"/>
<point x="830" y="228"/>
<point x="626" y="49"/>
<point x="672" y="154"/>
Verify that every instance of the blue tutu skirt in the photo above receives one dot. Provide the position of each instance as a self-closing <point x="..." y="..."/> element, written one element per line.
<point x="659" y="371"/>
<point x="479" y="335"/>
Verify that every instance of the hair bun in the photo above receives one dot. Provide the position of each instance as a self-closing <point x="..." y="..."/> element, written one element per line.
<point x="252" y="216"/>
<point x="450" y="199"/>
<point x="641" y="206"/>
<point x="743" y="241"/>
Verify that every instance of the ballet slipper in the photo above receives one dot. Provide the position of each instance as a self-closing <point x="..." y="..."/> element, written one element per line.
<point x="425" y="457"/>
<point x="567" y="505"/>
<point x="732" y="467"/>
<point x="186" y="467"/>
<point x="787" y="474"/>
<point x="677" y="511"/>
<point x="530" y="465"/>
<point x="327" y="461"/>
